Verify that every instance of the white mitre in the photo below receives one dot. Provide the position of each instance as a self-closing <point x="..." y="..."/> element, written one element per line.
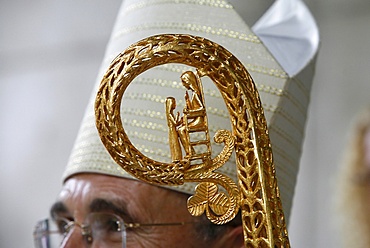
<point x="279" y="54"/>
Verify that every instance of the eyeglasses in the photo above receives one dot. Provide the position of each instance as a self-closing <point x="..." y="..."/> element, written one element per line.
<point x="105" y="229"/>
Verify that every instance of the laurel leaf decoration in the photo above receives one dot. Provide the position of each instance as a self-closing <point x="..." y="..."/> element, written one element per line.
<point x="206" y="197"/>
<point x="197" y="204"/>
<point x="219" y="203"/>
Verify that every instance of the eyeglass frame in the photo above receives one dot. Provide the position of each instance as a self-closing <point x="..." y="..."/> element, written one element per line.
<point x="87" y="232"/>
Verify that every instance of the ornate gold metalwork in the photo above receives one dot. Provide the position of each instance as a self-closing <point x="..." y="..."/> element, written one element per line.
<point x="257" y="193"/>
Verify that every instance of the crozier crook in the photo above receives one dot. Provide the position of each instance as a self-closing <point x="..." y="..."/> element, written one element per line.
<point x="256" y="192"/>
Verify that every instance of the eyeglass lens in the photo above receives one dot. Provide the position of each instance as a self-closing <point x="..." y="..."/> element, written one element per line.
<point x="99" y="228"/>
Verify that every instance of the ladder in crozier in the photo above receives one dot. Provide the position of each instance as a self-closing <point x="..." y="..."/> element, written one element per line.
<point x="197" y="136"/>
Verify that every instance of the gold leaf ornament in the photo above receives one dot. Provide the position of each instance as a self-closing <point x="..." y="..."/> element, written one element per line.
<point x="207" y="198"/>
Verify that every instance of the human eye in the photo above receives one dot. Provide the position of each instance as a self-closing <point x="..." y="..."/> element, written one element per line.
<point x="107" y="226"/>
<point x="112" y="225"/>
<point x="63" y="225"/>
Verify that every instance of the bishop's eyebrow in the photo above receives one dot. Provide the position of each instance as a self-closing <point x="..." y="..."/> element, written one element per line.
<point x="58" y="208"/>
<point x="117" y="207"/>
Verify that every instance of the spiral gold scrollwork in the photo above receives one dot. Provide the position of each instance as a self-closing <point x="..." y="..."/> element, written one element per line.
<point x="257" y="193"/>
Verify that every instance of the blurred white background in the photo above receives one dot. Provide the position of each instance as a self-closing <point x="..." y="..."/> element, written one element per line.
<point x="50" y="52"/>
